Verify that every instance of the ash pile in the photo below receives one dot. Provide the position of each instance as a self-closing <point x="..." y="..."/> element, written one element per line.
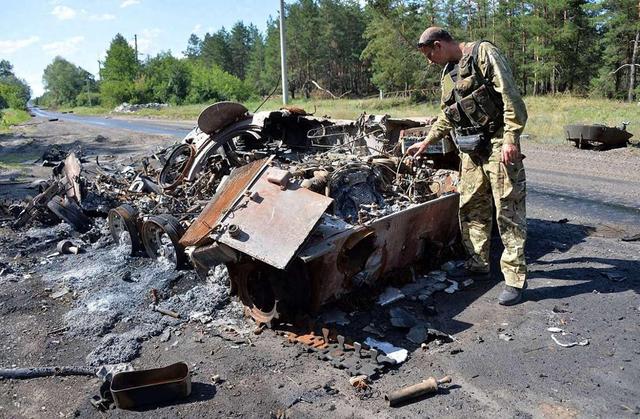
<point x="299" y="210"/>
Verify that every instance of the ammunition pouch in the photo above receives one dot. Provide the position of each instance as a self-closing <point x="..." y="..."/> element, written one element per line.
<point x="483" y="110"/>
<point x="472" y="143"/>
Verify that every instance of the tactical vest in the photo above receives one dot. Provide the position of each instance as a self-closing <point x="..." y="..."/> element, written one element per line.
<point x="471" y="103"/>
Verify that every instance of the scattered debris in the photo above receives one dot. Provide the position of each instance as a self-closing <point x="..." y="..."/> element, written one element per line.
<point x="402" y="318"/>
<point x="36" y="372"/>
<point x="430" y="385"/>
<point x="67" y="247"/>
<point x="390" y="295"/>
<point x="359" y="381"/>
<point x="397" y="354"/>
<point x="335" y="316"/>
<point x="60" y="293"/>
<point x="417" y="334"/>
<point x="451" y="265"/>
<point x="438" y="337"/>
<point x="583" y="342"/>
<point x="507" y="337"/>
<point x="135" y="389"/>
<point x="165" y="311"/>
<point x="453" y="287"/>
<point x="130" y="108"/>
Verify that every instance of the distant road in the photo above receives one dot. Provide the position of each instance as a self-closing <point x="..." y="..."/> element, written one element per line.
<point x="175" y="129"/>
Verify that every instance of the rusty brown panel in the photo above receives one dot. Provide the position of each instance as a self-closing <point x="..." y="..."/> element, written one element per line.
<point x="274" y="223"/>
<point x="229" y="193"/>
<point x="400" y="235"/>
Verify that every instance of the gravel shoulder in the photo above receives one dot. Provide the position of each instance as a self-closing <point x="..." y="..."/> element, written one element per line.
<point x="583" y="279"/>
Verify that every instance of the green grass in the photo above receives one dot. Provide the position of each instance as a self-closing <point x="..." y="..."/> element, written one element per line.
<point x="10" y="117"/>
<point x="547" y="114"/>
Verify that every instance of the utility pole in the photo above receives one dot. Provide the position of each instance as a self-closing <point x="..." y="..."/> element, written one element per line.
<point x="283" y="57"/>
<point x="135" y="42"/>
<point x="89" y="93"/>
<point x="632" y="70"/>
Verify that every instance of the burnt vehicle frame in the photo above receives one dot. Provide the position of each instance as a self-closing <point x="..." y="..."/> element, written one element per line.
<point x="281" y="262"/>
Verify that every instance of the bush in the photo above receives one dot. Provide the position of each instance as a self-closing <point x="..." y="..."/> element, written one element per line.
<point x="214" y="84"/>
<point x="88" y="99"/>
<point x="114" y="92"/>
<point x="14" y="93"/>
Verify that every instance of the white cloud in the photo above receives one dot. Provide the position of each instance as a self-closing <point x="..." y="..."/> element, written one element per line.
<point x="197" y="29"/>
<point x="102" y="17"/>
<point x="127" y="3"/>
<point x="12" y="45"/>
<point x="63" y="12"/>
<point x="146" y="40"/>
<point x="65" y="47"/>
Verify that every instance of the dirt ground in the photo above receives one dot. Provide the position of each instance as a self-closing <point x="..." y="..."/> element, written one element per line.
<point x="503" y="361"/>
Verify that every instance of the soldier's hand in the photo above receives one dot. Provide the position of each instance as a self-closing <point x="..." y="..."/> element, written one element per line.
<point x="417" y="148"/>
<point x="510" y="154"/>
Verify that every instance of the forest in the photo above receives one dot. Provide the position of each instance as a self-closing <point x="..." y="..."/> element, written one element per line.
<point x="342" y="48"/>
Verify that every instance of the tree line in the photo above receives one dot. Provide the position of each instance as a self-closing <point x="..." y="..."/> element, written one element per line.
<point x="14" y="92"/>
<point x="340" y="48"/>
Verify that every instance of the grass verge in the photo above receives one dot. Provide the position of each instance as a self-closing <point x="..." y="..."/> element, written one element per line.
<point x="10" y="117"/>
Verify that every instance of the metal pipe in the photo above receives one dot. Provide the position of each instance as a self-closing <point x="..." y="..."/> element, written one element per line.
<point x="283" y="57"/>
<point x="430" y="385"/>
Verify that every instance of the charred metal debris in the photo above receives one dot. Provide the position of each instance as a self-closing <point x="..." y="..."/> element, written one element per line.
<point x="301" y="209"/>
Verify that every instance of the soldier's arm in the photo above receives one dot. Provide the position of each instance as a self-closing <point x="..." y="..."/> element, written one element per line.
<point x="495" y="68"/>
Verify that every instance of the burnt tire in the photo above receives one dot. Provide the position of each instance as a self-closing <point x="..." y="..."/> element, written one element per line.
<point x="161" y="238"/>
<point x="70" y="212"/>
<point x="176" y="167"/>
<point x="124" y="219"/>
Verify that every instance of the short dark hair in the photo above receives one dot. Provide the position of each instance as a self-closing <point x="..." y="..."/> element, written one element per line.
<point x="433" y="34"/>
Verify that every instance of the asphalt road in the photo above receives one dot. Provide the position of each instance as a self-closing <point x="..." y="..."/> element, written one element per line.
<point x="173" y="128"/>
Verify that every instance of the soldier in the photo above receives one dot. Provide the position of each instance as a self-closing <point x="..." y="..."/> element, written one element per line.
<point x="481" y="104"/>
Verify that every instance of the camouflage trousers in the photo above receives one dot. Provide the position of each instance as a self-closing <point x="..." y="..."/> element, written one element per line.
<point x="484" y="178"/>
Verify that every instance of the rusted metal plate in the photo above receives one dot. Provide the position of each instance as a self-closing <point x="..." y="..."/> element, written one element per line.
<point x="274" y="223"/>
<point x="219" y="115"/>
<point x="394" y="241"/>
<point x="226" y="196"/>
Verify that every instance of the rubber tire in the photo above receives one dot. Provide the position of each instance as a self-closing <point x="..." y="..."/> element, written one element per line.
<point x="70" y="212"/>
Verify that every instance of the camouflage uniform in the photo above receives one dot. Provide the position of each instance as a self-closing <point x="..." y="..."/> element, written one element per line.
<point x="484" y="176"/>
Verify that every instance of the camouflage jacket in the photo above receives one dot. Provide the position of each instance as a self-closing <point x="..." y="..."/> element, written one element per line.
<point x="493" y="65"/>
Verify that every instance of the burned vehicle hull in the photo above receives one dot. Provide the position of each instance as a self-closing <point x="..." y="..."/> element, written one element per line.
<point x="322" y="208"/>
<point x="600" y="137"/>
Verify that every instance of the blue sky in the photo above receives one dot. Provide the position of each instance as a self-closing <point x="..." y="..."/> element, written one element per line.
<point x="34" y="32"/>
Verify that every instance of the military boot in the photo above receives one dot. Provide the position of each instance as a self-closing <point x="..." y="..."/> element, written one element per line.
<point x="511" y="295"/>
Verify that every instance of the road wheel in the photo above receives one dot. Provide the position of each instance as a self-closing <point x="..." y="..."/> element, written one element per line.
<point x="161" y="238"/>
<point x="123" y="225"/>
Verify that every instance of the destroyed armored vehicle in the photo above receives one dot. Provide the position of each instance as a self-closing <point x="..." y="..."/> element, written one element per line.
<point x="301" y="209"/>
<point x="598" y="136"/>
